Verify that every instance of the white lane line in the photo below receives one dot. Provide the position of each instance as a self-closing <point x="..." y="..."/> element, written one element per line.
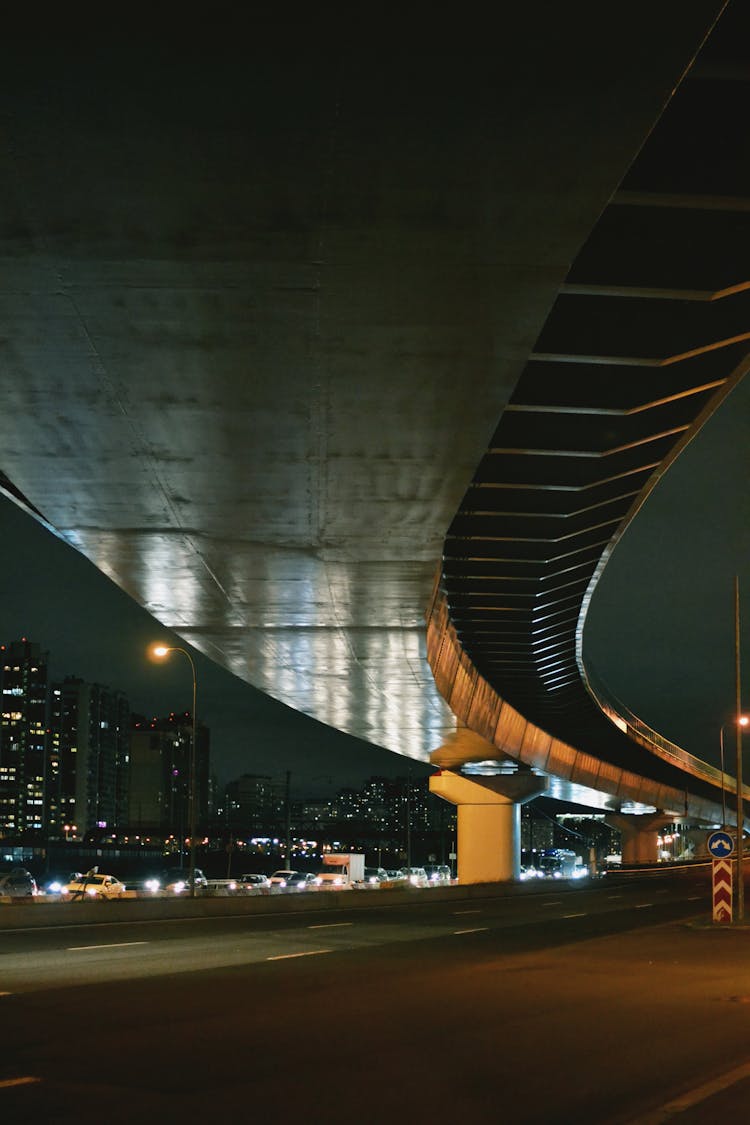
<point x="329" y="925"/>
<point x="614" y="896"/>
<point x="554" y="902"/>
<point x="642" y="905"/>
<point x="467" y="911"/>
<point x="288" y="956"/>
<point x="574" y="915"/>
<point x="108" y="945"/>
<point x="694" y="1097"/>
<point x="695" y="898"/>
<point x="26" y="1081"/>
<point x="476" y="930"/>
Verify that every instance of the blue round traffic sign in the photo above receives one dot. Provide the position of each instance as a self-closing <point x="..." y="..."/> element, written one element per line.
<point x="720" y="845"/>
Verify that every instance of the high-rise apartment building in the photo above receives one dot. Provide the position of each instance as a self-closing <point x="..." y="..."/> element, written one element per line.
<point x="254" y="804"/>
<point x="87" y="758"/>
<point x="160" y="765"/>
<point x="23" y="727"/>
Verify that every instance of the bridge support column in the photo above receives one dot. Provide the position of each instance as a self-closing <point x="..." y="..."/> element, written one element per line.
<point x="489" y="822"/>
<point x="639" y="835"/>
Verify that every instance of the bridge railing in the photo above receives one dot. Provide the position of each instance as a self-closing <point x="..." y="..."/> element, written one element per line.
<point x="629" y="723"/>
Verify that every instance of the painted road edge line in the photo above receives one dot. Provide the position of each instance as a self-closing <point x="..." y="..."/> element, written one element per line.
<point x="694" y="1097"/>
<point x="476" y="930"/>
<point x="329" y="925"/>
<point x="307" y="953"/>
<point x="105" y="945"/>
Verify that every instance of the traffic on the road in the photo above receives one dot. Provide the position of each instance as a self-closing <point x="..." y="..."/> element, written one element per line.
<point x="347" y="873"/>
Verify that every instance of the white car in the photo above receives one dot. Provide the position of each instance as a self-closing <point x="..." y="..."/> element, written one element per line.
<point x="285" y="877"/>
<point x="249" y="883"/>
<point x="291" y="880"/>
<point x="95" y="886"/>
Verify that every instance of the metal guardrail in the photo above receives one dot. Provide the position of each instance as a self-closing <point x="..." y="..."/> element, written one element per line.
<point x="625" y="720"/>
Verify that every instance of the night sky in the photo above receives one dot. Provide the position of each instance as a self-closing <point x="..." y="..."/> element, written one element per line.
<point x="660" y="630"/>
<point x="661" y="626"/>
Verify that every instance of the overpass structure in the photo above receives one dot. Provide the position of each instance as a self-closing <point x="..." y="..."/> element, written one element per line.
<point x="305" y="333"/>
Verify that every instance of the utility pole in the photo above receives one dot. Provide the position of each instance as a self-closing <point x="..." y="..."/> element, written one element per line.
<point x="408" y="820"/>
<point x="288" y="818"/>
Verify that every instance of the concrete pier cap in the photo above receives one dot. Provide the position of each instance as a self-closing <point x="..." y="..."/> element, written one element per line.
<point x="639" y="834"/>
<point x="489" y="821"/>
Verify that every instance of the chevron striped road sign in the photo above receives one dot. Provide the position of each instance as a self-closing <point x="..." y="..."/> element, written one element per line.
<point x="722" y="890"/>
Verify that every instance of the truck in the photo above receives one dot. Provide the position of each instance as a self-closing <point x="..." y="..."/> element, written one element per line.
<point x="340" y="871"/>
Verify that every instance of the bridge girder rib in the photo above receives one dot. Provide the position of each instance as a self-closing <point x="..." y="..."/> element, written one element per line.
<point x="649" y="333"/>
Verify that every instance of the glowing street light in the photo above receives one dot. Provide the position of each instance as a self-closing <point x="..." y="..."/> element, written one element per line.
<point x="159" y="652"/>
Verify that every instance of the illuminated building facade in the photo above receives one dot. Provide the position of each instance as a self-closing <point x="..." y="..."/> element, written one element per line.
<point x="23" y="734"/>
<point x="88" y="758"/>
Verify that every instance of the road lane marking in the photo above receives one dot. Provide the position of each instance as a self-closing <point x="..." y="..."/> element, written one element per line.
<point x="27" y="1081"/>
<point x="329" y="925"/>
<point x="108" y="945"/>
<point x="553" y="902"/>
<point x="695" y="898"/>
<point x="694" y="1097"/>
<point x="476" y="930"/>
<point x="307" y="953"/>
<point x="467" y="911"/>
<point x="642" y="905"/>
<point x="574" y="915"/>
<point x="614" y="896"/>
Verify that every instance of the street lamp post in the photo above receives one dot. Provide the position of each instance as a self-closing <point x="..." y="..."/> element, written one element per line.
<point x="723" y="791"/>
<point x="739" y="723"/>
<point x="160" y="651"/>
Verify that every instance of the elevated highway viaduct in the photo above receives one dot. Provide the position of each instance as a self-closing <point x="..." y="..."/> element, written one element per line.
<point x="309" y="334"/>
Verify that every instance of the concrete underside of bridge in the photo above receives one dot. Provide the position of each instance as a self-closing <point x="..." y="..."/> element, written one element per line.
<point x="264" y="305"/>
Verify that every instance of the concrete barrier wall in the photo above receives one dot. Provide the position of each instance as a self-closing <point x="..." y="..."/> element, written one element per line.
<point x="40" y="912"/>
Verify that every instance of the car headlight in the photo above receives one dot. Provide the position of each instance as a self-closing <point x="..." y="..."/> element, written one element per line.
<point x="152" y="885"/>
<point x="55" y="888"/>
<point x="91" y="890"/>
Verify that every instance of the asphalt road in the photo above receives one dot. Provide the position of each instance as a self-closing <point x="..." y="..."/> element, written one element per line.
<point x="602" y="1004"/>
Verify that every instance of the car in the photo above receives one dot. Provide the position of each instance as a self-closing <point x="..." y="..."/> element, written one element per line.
<point x="438" y="874"/>
<point x="396" y="875"/>
<point x="417" y="877"/>
<point x="287" y="878"/>
<point x="177" y="881"/>
<point x="252" y="882"/>
<point x="284" y="877"/>
<point x="56" y="884"/>
<point x="305" y="881"/>
<point x="95" y="885"/>
<point x="17" y="882"/>
<point x="374" y="876"/>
